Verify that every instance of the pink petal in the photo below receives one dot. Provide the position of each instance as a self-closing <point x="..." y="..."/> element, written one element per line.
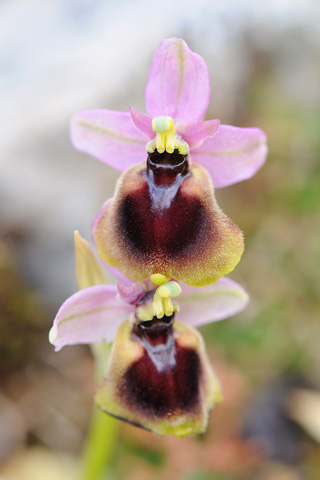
<point x="91" y="315"/>
<point x="143" y="122"/>
<point x="232" y="155"/>
<point x="178" y="83"/>
<point x="194" y="133"/>
<point x="110" y="136"/>
<point x="200" y="305"/>
<point x="133" y="293"/>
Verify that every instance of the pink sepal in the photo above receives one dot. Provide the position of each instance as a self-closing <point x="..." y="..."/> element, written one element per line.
<point x="178" y="83"/>
<point x="109" y="136"/>
<point x="91" y="315"/>
<point x="201" y="305"/>
<point x="232" y="155"/>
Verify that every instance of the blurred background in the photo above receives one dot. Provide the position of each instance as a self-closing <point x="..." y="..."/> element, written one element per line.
<point x="59" y="57"/>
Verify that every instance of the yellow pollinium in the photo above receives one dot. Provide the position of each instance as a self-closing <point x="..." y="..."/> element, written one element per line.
<point x="162" y="302"/>
<point x="166" y="139"/>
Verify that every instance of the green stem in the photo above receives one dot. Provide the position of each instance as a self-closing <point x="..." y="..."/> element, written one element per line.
<point x="103" y="429"/>
<point x="99" y="447"/>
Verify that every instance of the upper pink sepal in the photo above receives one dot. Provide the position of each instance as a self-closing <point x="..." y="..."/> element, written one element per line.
<point x="110" y="136"/>
<point x="201" y="305"/>
<point x="194" y="133"/>
<point x="178" y="83"/>
<point x="143" y="122"/>
<point x="232" y="155"/>
<point x="91" y="315"/>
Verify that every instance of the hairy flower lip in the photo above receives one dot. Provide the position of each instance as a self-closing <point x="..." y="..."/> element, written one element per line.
<point x="163" y="383"/>
<point x="169" y="224"/>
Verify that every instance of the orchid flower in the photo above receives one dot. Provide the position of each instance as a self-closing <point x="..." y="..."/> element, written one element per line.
<point x="158" y="375"/>
<point x="164" y="218"/>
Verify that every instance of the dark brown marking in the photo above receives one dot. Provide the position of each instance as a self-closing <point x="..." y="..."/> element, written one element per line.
<point x="165" y="379"/>
<point x="155" y="332"/>
<point x="158" y="219"/>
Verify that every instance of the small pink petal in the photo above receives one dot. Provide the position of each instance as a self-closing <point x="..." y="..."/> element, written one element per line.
<point x="194" y="133"/>
<point x="91" y="315"/>
<point x="232" y="155"/>
<point x="133" y="293"/>
<point x="201" y="305"/>
<point x="109" y="136"/>
<point x="143" y="122"/>
<point x="178" y="83"/>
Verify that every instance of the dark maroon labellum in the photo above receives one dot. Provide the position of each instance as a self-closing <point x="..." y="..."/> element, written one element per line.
<point x="166" y="378"/>
<point x="159" y="218"/>
<point x="164" y="219"/>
